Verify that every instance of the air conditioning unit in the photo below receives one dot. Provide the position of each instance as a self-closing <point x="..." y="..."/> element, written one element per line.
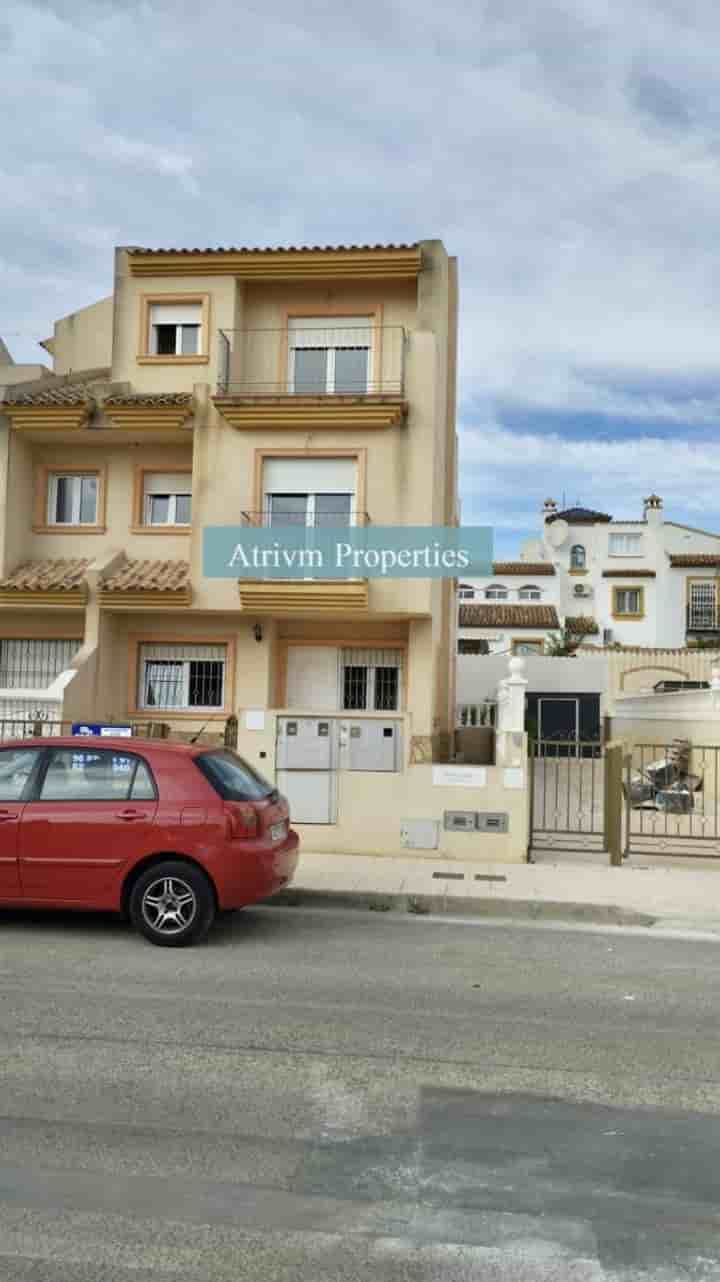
<point x="607" y="636"/>
<point x="582" y="589"/>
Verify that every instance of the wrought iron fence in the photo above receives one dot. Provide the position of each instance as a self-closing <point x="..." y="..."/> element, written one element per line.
<point x="672" y="800"/>
<point x="567" y="794"/>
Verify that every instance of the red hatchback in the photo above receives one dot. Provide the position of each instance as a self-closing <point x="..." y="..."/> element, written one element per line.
<point x="167" y="833"/>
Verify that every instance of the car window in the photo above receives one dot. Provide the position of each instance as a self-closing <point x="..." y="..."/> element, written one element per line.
<point x="16" y="765"/>
<point x="232" y="777"/>
<point x="88" y="774"/>
<point x="143" y="788"/>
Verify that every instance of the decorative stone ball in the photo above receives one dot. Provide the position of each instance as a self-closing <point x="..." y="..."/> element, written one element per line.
<point x="516" y="666"/>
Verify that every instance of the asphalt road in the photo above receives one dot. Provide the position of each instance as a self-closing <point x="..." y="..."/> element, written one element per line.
<point x="329" y="1097"/>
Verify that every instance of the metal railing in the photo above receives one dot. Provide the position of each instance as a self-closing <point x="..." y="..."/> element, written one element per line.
<point x="672" y="799"/>
<point x="567" y="795"/>
<point x="702" y="618"/>
<point x="337" y="361"/>
<point x="340" y="518"/>
<point x="45" y="728"/>
<point x="34" y="665"/>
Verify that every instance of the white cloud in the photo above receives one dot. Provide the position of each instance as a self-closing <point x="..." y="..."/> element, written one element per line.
<point x="566" y="151"/>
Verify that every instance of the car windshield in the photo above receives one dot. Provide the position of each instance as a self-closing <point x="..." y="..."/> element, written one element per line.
<point x="232" y="777"/>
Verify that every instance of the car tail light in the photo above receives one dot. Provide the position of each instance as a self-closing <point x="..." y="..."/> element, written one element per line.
<point x="241" y="820"/>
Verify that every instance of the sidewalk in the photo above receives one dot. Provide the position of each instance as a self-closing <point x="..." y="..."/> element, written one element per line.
<point x="669" y="897"/>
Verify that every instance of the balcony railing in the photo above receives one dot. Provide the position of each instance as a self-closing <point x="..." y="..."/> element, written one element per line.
<point x="319" y="520"/>
<point x="338" y="361"/>
<point x="702" y="618"/>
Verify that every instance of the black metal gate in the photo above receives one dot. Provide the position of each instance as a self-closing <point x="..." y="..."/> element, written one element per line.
<point x="672" y="800"/>
<point x="567" y="796"/>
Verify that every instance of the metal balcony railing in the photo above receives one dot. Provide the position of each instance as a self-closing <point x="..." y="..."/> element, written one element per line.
<point x="313" y="521"/>
<point x="333" y="361"/>
<point x="702" y="618"/>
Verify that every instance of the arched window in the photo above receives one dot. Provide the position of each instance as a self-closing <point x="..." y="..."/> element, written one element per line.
<point x="496" y="592"/>
<point x="529" y="593"/>
<point x="577" y="557"/>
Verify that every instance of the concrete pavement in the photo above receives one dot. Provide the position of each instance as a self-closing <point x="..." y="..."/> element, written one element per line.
<point x="582" y="888"/>
<point x="324" y="1096"/>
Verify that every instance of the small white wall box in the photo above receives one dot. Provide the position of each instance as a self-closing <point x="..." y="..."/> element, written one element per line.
<point x="459" y="821"/>
<point x="420" y="834"/>
<point x="492" y="822"/>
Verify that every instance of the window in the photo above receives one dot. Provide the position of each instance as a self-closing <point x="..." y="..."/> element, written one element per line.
<point x="167" y="498"/>
<point x="625" y="545"/>
<point x="521" y="646"/>
<point x="72" y="498"/>
<point x="232" y="777"/>
<point x="33" y="665"/>
<point x="465" y="593"/>
<point x="496" y="592"/>
<point x="91" y="774"/>
<point x="175" y="329"/>
<point x="577" y="557"/>
<point x="311" y="492"/>
<point x="529" y="593"/>
<point x="16" y="766"/>
<point x="329" y="355"/>
<point x="182" y="677"/>
<point x="370" y="680"/>
<point x="469" y="645"/>
<point x="628" y="602"/>
<point x="702" y="605"/>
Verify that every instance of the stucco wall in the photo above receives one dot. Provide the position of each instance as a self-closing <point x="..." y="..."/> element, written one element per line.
<point x="83" y="339"/>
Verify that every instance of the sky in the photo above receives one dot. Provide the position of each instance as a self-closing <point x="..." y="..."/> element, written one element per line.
<point x="567" y="153"/>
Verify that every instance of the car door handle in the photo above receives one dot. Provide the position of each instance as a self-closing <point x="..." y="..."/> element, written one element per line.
<point x="129" y="815"/>
<point x="7" y="816"/>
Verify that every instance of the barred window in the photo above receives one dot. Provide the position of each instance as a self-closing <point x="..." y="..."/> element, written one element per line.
<point x="370" y="680"/>
<point x="182" y="677"/>
<point x="33" y="665"/>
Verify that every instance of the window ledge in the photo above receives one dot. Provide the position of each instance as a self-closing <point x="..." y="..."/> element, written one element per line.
<point x="161" y="529"/>
<point x="632" y="617"/>
<point x="173" y="360"/>
<point x="69" y="529"/>
<point x="178" y="714"/>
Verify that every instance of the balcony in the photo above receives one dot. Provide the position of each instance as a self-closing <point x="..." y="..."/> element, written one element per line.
<point x="311" y="596"/>
<point x="319" y="376"/>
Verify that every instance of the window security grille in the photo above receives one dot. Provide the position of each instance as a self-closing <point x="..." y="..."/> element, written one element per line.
<point x="370" y="680"/>
<point x="33" y="665"/>
<point x="703" y="605"/>
<point x="183" y="677"/>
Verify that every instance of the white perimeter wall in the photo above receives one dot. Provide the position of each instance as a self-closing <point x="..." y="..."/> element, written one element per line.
<point x="478" y="675"/>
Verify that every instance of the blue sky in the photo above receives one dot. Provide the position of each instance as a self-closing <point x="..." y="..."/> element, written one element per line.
<point x="568" y="153"/>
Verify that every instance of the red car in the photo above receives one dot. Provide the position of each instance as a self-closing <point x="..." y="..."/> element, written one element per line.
<point x="166" y="833"/>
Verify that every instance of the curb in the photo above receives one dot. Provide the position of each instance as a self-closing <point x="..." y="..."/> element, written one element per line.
<point x="453" y="906"/>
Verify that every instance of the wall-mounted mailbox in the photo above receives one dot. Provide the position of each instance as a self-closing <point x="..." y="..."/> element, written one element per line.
<point x="459" y="820"/>
<point x="488" y="821"/>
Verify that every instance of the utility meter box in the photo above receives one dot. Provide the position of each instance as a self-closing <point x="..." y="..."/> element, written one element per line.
<point x="306" y="743"/>
<point x="492" y="822"/>
<point x="459" y="821"/>
<point x="368" y="744"/>
<point x="420" y="834"/>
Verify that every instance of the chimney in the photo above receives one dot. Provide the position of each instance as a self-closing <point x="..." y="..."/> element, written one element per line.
<point x="549" y="509"/>
<point x="653" y="510"/>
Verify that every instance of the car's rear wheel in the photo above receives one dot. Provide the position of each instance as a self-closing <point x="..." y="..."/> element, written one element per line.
<point x="172" y="904"/>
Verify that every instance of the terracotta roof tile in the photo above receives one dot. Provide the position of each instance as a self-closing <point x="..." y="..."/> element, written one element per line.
<point x="148" y="576"/>
<point x="508" y="616"/>
<point x="65" y="575"/>
<point x="629" y="574"/>
<point x="269" y="249"/>
<point x="578" y="516"/>
<point x="581" y="623"/>
<point x="71" y="394"/>
<point x="150" y="398"/>
<point x="690" y="559"/>
<point x="532" y="569"/>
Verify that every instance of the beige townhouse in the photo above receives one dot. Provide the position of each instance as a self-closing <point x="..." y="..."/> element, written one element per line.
<point x="309" y="386"/>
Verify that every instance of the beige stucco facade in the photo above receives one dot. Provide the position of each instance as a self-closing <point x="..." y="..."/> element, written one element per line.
<point x="220" y="416"/>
